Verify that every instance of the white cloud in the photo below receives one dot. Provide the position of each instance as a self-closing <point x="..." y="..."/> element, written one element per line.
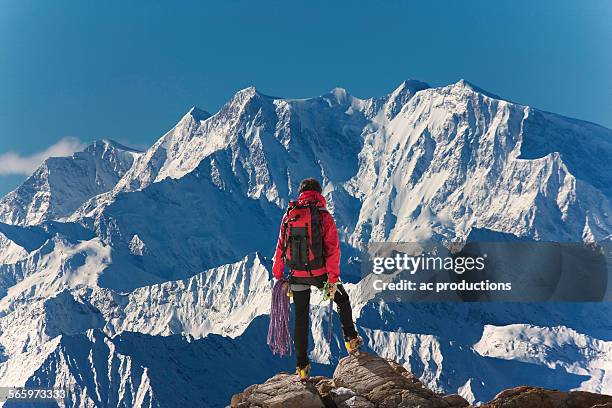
<point x="13" y="163"/>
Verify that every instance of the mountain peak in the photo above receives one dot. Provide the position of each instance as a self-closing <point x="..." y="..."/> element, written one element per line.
<point x="247" y="93"/>
<point x="249" y="90"/>
<point x="243" y="96"/>
<point x="339" y="95"/>
<point x="465" y="84"/>
<point x="247" y="101"/>
<point x="410" y="85"/>
<point x="109" y="143"/>
<point x="339" y="92"/>
<point x="198" y="114"/>
<point x="401" y="95"/>
<point x="95" y="170"/>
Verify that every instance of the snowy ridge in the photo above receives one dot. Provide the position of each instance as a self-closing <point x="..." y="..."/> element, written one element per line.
<point x="447" y="347"/>
<point x="94" y="373"/>
<point x="10" y="251"/>
<point x="27" y="328"/>
<point x="61" y="184"/>
<point x="449" y="160"/>
<point x="553" y="347"/>
<point x="138" y="370"/>
<point x="254" y="135"/>
<point x="223" y="301"/>
<point x="48" y="270"/>
<point x="453" y="159"/>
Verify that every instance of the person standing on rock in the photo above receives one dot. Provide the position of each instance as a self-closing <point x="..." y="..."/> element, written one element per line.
<point x="308" y="244"/>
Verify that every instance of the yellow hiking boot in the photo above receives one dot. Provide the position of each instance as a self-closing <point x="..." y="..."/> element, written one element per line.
<point x="354" y="344"/>
<point x="303" y="372"/>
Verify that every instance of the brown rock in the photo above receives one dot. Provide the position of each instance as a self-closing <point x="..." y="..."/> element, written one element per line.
<point x="400" y="369"/>
<point x="534" y="397"/>
<point x="456" y="400"/>
<point x="281" y="391"/>
<point x="383" y="383"/>
<point x="368" y="381"/>
<point x="323" y="384"/>
<point x="237" y="399"/>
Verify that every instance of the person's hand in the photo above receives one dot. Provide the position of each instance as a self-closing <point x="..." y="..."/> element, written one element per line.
<point x="332" y="291"/>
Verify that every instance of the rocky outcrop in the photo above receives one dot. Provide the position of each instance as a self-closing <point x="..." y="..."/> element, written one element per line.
<point x="282" y="390"/>
<point x="369" y="381"/>
<point x="360" y="381"/>
<point x="534" y="397"/>
<point x="385" y="383"/>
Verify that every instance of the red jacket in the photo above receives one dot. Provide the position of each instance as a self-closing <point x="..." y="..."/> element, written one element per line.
<point x="331" y="244"/>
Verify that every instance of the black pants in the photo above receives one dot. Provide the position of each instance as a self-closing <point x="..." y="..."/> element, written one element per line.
<point x="301" y="301"/>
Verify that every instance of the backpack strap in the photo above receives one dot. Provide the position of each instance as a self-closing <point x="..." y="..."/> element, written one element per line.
<point x="284" y="231"/>
<point x="284" y="242"/>
<point x="316" y="222"/>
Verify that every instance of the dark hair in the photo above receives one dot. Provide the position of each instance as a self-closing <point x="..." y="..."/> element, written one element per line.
<point x="310" y="184"/>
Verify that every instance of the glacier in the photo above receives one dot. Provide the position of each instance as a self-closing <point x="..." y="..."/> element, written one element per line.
<point x="142" y="278"/>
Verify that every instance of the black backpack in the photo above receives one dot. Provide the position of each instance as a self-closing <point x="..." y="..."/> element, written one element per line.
<point x="303" y="236"/>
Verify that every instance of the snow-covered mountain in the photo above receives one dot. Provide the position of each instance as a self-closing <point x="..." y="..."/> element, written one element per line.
<point x="113" y="258"/>
<point x="62" y="184"/>
<point x="223" y="301"/>
<point x="138" y="370"/>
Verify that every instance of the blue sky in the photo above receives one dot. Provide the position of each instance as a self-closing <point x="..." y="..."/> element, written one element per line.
<point x="75" y="71"/>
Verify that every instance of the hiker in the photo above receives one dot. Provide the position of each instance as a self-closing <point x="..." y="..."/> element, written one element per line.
<point x="308" y="244"/>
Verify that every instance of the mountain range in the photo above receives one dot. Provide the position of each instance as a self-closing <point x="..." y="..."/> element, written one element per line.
<point x="142" y="278"/>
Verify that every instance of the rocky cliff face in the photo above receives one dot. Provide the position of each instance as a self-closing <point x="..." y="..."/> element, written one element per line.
<point x="368" y="381"/>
